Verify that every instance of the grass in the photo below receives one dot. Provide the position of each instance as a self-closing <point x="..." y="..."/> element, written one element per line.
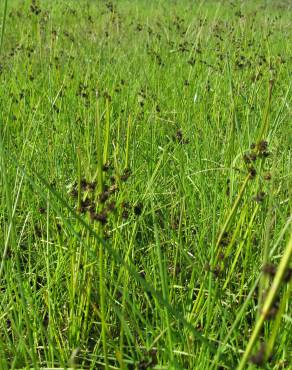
<point x="145" y="172"/>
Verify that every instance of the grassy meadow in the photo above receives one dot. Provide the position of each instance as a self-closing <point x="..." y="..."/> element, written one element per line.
<point x="145" y="184"/>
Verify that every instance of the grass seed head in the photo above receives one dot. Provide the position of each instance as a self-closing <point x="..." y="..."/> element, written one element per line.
<point x="262" y="146"/>
<point x="111" y="206"/>
<point x="259" y="198"/>
<point x="252" y="172"/>
<point x="269" y="269"/>
<point x="103" y="197"/>
<point x="125" y="214"/>
<point x="259" y="357"/>
<point x="138" y="209"/>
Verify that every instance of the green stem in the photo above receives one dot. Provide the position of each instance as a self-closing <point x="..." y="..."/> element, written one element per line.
<point x="268" y="302"/>
<point x="3" y="24"/>
<point x="99" y="155"/>
<point x="128" y="143"/>
<point x="102" y="304"/>
<point x="233" y="210"/>
<point x="107" y="134"/>
<point x="164" y="283"/>
<point x="79" y="178"/>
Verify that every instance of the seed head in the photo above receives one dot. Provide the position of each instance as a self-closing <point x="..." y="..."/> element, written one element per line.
<point x="259" y="357"/>
<point x="269" y="269"/>
<point x="252" y="172"/>
<point x="138" y="209"/>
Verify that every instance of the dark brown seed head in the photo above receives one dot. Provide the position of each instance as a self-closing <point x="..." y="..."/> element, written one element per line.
<point x="180" y="138"/>
<point x="126" y="174"/>
<point x="106" y="167"/>
<point x="143" y="364"/>
<point x="259" y="357"/>
<point x="153" y="352"/>
<point x="262" y="146"/>
<point x="42" y="210"/>
<point x="142" y="274"/>
<point x="101" y="217"/>
<point x="91" y="185"/>
<point x="82" y="209"/>
<point x="246" y="158"/>
<point x="259" y="197"/>
<point x="288" y="275"/>
<point x="179" y="135"/>
<point x="228" y="187"/>
<point x="225" y="240"/>
<point x="273" y="311"/>
<point x="252" y="172"/>
<point x="138" y="209"/>
<point x="153" y="355"/>
<point x="249" y="157"/>
<point x="174" y="225"/>
<point x="125" y="204"/>
<point x="86" y="203"/>
<point x="92" y="207"/>
<point x="111" y="206"/>
<point x="269" y="269"/>
<point x="221" y="256"/>
<point x="92" y="214"/>
<point x="268" y="176"/>
<point x="125" y="214"/>
<point x="217" y="271"/>
<point x="103" y="197"/>
<point x="192" y="61"/>
<point x="38" y="231"/>
<point x="83" y="184"/>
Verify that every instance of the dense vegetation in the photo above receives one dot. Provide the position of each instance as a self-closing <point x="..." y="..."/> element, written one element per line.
<point x="145" y="184"/>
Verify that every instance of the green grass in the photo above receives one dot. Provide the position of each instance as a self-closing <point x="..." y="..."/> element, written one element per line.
<point x="145" y="184"/>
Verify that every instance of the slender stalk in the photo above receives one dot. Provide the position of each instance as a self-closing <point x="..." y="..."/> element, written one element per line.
<point x="107" y="133"/>
<point x="285" y="260"/>
<point x="3" y="24"/>
<point x="164" y="283"/>
<point x="232" y="211"/>
<point x="102" y="304"/>
<point x="128" y="142"/>
<point x="99" y="150"/>
<point x="79" y="178"/>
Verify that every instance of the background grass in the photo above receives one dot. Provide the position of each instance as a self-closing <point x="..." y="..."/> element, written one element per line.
<point x="145" y="183"/>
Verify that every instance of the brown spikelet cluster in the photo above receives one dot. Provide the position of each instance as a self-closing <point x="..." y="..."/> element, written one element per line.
<point x="257" y="150"/>
<point x="97" y="206"/>
<point x="126" y="174"/>
<point x="179" y="137"/>
<point x="149" y="361"/>
<point x="259" y="357"/>
<point x="34" y="8"/>
<point x="100" y="206"/>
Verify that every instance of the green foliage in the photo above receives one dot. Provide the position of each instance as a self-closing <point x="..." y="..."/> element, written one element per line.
<point x="145" y="184"/>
